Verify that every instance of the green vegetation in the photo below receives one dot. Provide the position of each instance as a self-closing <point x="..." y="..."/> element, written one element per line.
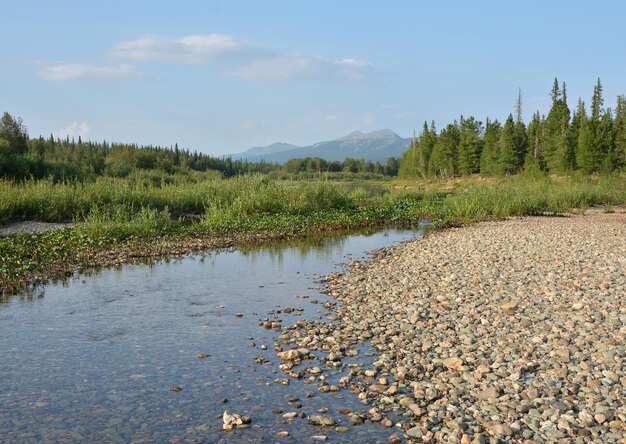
<point x="22" y="158"/>
<point x="117" y="221"/>
<point x="129" y="202"/>
<point x="560" y="143"/>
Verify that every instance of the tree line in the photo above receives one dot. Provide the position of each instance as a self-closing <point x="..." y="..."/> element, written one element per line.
<point x="63" y="159"/>
<point x="22" y="157"/>
<point x="561" y="142"/>
<point x="349" y="165"/>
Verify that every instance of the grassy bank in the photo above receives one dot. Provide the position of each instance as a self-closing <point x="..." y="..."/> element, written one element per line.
<point x="118" y="221"/>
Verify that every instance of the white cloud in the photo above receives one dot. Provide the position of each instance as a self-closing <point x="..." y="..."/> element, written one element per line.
<point x="232" y="57"/>
<point x="304" y="67"/>
<point x="77" y="71"/>
<point x="74" y="129"/>
<point x="239" y="58"/>
<point x="199" y="49"/>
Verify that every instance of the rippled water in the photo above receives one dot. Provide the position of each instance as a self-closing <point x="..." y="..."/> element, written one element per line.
<point x="94" y="358"/>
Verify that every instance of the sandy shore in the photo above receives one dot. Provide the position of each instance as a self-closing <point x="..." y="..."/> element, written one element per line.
<point x="505" y="331"/>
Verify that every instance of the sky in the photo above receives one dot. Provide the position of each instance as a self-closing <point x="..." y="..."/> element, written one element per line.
<point x="223" y="76"/>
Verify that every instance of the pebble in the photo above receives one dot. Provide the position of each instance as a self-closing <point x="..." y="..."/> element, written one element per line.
<point x="512" y="329"/>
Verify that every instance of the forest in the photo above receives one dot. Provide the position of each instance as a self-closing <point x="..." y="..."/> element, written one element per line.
<point x="67" y="159"/>
<point x="561" y="142"/>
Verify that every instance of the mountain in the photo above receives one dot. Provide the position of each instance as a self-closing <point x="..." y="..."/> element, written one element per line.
<point x="260" y="151"/>
<point x="374" y="146"/>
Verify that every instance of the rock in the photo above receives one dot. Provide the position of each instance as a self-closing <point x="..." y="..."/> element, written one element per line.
<point x="394" y="439"/>
<point x="488" y="393"/>
<point x="319" y="420"/>
<point x="510" y="305"/>
<point x="233" y="420"/>
<point x="288" y="355"/>
<point x="502" y="430"/>
<point x="415" y="432"/>
<point x="355" y="419"/>
<point x="453" y="363"/>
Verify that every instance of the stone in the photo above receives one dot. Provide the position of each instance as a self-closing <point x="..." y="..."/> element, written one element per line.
<point x="488" y="393"/>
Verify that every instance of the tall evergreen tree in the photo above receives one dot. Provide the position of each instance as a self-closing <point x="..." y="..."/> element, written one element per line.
<point x="556" y="151"/>
<point x="594" y="136"/>
<point x="470" y="146"/>
<point x="490" y="155"/>
<point x="607" y="144"/>
<point x="619" y="131"/>
<point x="534" y="160"/>
<point x="508" y="162"/>
<point x="410" y="160"/>
<point x="444" y="158"/>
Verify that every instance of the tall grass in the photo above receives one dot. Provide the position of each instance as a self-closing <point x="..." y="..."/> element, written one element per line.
<point x="256" y="195"/>
<point x="46" y="201"/>
<point x="515" y="196"/>
<point x="145" y="202"/>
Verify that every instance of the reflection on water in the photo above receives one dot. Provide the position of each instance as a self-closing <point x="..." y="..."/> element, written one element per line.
<point x="94" y="358"/>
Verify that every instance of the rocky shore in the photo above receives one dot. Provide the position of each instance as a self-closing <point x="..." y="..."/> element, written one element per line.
<point x="510" y="331"/>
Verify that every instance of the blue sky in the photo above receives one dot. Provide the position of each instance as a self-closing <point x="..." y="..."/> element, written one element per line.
<point x="223" y="76"/>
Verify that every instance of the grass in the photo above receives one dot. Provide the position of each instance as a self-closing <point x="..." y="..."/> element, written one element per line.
<point x="120" y="219"/>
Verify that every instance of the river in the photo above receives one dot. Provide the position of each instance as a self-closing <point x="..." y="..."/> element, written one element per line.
<point x="113" y="356"/>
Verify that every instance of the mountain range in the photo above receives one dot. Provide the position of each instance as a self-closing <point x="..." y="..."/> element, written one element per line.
<point x="375" y="146"/>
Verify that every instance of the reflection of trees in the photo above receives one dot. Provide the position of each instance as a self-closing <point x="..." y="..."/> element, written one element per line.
<point x="320" y="246"/>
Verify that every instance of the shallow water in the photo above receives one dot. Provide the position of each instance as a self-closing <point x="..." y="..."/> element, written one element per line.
<point x="94" y="358"/>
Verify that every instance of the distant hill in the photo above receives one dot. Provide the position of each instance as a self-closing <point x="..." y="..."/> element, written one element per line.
<point x="274" y="148"/>
<point x="374" y="146"/>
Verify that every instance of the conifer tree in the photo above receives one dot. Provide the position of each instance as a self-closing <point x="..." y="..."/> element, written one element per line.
<point x="606" y="141"/>
<point x="619" y="132"/>
<point x="470" y="146"/>
<point x="490" y="155"/>
<point x="444" y="158"/>
<point x="508" y="162"/>
<point x="556" y="151"/>
<point x="409" y="162"/>
<point x="534" y="160"/>
<point x="594" y="136"/>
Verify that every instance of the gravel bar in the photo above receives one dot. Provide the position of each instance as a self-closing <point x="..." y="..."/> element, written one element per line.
<point x="509" y="331"/>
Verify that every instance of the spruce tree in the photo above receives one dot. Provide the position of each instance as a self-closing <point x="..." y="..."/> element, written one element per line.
<point x="428" y="140"/>
<point x="409" y="161"/>
<point x="594" y="136"/>
<point x="556" y="151"/>
<point x="470" y="146"/>
<point x="619" y="133"/>
<point x="534" y="160"/>
<point x="444" y="159"/>
<point x="508" y="162"/>
<point x="490" y="155"/>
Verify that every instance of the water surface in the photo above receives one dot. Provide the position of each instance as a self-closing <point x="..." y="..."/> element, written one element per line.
<point x="95" y="358"/>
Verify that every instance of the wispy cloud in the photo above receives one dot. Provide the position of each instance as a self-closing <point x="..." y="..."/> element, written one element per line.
<point x="194" y="49"/>
<point x="303" y="67"/>
<point x="77" y="71"/>
<point x="74" y="129"/>
<point x="231" y="56"/>
<point x="239" y="58"/>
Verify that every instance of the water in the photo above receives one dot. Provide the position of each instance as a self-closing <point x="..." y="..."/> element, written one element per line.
<point x="95" y="358"/>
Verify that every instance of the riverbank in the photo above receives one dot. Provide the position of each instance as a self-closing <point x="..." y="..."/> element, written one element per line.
<point x="512" y="329"/>
<point x="116" y="221"/>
